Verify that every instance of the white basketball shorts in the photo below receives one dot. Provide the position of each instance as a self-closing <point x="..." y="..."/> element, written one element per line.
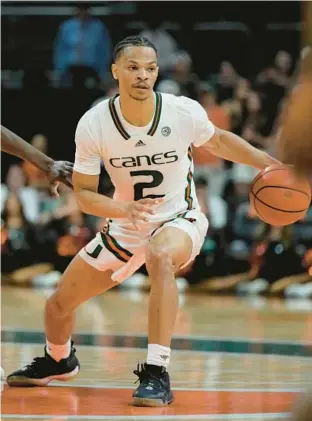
<point x="122" y="249"/>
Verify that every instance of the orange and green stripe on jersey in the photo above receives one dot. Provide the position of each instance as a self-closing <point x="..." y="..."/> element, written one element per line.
<point x="188" y="189"/>
<point x="118" y="123"/>
<point x="114" y="247"/>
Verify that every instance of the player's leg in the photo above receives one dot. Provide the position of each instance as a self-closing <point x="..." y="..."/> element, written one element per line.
<point x="168" y="251"/>
<point x="79" y="283"/>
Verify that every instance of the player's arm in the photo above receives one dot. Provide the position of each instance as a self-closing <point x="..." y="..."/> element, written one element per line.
<point x="233" y="148"/>
<point x="55" y="170"/>
<point x="93" y="203"/>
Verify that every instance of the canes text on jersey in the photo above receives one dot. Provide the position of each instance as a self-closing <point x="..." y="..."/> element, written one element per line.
<point x="143" y="160"/>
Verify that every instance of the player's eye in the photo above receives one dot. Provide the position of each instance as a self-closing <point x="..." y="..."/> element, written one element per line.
<point x="132" y="68"/>
<point x="152" y="69"/>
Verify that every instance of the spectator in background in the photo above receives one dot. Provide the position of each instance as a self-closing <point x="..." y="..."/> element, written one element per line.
<point x="29" y="196"/>
<point x="253" y="125"/>
<point x="74" y="232"/>
<point x="225" y="81"/>
<point x="212" y="205"/>
<point x="279" y="73"/>
<point x="82" y="48"/>
<point x="242" y="177"/>
<point x="206" y="163"/>
<point x="18" y="243"/>
<point x="168" y="86"/>
<point x="165" y="44"/>
<point x="280" y="259"/>
<point x="183" y="75"/>
<point x="35" y="177"/>
<point x="210" y="262"/>
<point x="235" y="106"/>
<point x="274" y="82"/>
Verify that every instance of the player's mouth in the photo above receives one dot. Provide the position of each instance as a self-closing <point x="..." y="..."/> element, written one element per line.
<point x="143" y="87"/>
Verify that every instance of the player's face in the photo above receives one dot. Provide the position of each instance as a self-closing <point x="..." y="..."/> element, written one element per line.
<point x="136" y="71"/>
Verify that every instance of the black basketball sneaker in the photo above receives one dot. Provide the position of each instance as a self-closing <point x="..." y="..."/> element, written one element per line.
<point x="43" y="370"/>
<point x="154" y="388"/>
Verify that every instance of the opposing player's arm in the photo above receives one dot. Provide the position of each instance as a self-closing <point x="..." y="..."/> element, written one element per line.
<point x="55" y="170"/>
<point x="233" y="148"/>
<point x="15" y="145"/>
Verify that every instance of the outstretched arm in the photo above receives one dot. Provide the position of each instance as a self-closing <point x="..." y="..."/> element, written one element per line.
<point x="233" y="148"/>
<point x="55" y="170"/>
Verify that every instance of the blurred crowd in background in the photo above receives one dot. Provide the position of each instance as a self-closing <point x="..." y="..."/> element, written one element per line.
<point x="241" y="254"/>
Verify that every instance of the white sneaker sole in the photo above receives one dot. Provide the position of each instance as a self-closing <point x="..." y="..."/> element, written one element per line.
<point x="149" y="402"/>
<point x="21" y="381"/>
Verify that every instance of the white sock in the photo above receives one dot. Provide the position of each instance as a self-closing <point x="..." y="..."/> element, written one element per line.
<point x="158" y="355"/>
<point x="58" y="352"/>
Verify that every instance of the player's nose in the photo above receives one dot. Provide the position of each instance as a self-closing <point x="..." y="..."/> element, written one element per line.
<point x="142" y="75"/>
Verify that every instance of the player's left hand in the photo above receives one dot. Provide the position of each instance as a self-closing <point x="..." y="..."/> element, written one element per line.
<point x="59" y="171"/>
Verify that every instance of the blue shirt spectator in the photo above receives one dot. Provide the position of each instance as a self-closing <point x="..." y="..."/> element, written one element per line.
<point x="82" y="41"/>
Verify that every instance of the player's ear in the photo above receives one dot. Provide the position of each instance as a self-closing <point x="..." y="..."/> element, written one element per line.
<point x="114" y="71"/>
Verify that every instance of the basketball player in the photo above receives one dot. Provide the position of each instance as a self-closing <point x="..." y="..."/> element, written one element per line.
<point x="55" y="170"/>
<point x="294" y="140"/>
<point x="145" y="140"/>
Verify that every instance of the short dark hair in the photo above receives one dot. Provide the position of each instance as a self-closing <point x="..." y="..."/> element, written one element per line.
<point x="132" y="41"/>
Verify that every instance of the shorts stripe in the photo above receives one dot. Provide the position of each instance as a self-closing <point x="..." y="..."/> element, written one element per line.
<point x="188" y="190"/>
<point x="114" y="247"/>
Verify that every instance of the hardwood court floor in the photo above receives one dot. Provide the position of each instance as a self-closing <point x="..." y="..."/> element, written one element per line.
<point x="233" y="358"/>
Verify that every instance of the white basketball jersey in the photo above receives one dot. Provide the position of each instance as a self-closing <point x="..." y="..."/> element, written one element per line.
<point x="152" y="161"/>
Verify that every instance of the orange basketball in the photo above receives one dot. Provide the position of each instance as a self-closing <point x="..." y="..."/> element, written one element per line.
<point x="279" y="197"/>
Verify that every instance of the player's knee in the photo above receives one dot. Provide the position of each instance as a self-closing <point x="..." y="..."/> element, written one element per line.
<point x="56" y="307"/>
<point x="158" y="258"/>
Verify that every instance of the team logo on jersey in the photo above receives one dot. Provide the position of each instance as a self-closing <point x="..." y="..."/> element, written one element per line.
<point x="140" y="143"/>
<point x="165" y="131"/>
<point x="144" y="160"/>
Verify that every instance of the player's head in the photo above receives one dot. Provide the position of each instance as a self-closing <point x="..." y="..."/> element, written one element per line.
<point x="135" y="67"/>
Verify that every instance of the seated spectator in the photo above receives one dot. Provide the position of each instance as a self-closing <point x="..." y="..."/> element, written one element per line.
<point x="274" y="82"/>
<point x="280" y="259"/>
<point x="225" y="81"/>
<point x="29" y="196"/>
<point x="235" y="105"/>
<point x="19" y="248"/>
<point x="74" y="233"/>
<point x="253" y="126"/>
<point x="210" y="261"/>
<point x="238" y="186"/>
<point x="279" y="73"/>
<point x="242" y="252"/>
<point x="82" y="48"/>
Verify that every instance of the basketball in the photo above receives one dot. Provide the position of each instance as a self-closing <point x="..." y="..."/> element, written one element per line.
<point x="279" y="196"/>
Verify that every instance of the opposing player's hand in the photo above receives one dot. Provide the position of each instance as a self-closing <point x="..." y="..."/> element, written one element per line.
<point x="59" y="171"/>
<point x="140" y="211"/>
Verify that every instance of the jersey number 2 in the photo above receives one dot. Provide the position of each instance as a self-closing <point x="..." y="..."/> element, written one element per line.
<point x="157" y="179"/>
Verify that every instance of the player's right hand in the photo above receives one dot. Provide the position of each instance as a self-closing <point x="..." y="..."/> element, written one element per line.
<point x="139" y="212"/>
